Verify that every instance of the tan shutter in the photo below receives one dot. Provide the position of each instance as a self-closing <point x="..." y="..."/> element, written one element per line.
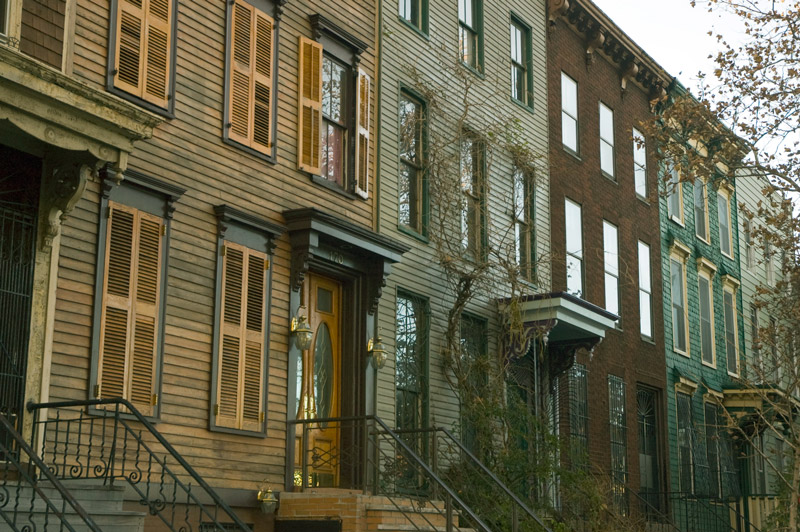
<point x="131" y="295"/>
<point x="240" y="97"/>
<point x="262" y="79"/>
<point x="363" y="106"/>
<point x="309" y="148"/>
<point x="128" y="74"/>
<point x="157" y="51"/>
<point x="240" y="385"/>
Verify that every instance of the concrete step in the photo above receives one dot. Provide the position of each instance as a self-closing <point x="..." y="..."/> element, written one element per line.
<point x="414" y="528"/>
<point x="119" y="521"/>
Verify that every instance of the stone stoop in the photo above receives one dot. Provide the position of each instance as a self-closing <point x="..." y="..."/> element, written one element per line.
<point x="364" y="513"/>
<point x="102" y="503"/>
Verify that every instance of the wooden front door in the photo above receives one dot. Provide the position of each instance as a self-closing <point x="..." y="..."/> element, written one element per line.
<point x="321" y="382"/>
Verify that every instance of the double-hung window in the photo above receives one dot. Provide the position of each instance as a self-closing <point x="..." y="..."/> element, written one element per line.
<point x="469" y="32"/>
<point x="705" y="296"/>
<point x="700" y="210"/>
<point x="639" y="164"/>
<point x="472" y="185"/>
<point x="333" y="142"/>
<point x="680" y="315"/>
<point x="686" y="438"/>
<point x="769" y="263"/>
<point x="611" y="266"/>
<point x="606" y="140"/>
<point x="645" y="292"/>
<point x="411" y="182"/>
<point x="524" y="241"/>
<point x="579" y="415"/>
<point x="521" y="63"/>
<point x="411" y="366"/>
<point x="249" y="106"/>
<point x="674" y="195"/>
<point x="713" y="455"/>
<point x="574" y="247"/>
<point x="473" y="336"/>
<point x="569" y="113"/>
<point x="729" y="287"/>
<point x="748" y="243"/>
<point x="618" y="430"/>
<point x="724" y="215"/>
<point x="414" y="12"/>
<point x="130" y="288"/>
<point x="141" y="58"/>
<point x="241" y="325"/>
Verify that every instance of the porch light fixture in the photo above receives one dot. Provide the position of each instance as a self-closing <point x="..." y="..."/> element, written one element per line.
<point x="301" y="329"/>
<point x="267" y="500"/>
<point x="376" y="351"/>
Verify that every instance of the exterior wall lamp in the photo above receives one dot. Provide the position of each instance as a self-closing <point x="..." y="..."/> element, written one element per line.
<point x="376" y="351"/>
<point x="267" y="500"/>
<point x="301" y="329"/>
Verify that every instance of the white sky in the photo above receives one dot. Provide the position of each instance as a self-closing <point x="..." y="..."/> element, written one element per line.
<point x="672" y="32"/>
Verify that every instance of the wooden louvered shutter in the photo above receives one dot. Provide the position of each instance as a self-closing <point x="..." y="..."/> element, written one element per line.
<point x="250" y="95"/>
<point x="240" y="384"/>
<point x="363" y="106"/>
<point x="309" y="147"/>
<point x="157" y="51"/>
<point x="128" y="74"/>
<point x="130" y="303"/>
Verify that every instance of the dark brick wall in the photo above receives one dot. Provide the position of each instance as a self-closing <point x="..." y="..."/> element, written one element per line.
<point x="42" y="33"/>
<point x="623" y="352"/>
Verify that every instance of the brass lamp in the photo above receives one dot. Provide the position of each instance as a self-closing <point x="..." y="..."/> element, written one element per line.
<point x="377" y="351"/>
<point x="301" y="329"/>
<point x="267" y="500"/>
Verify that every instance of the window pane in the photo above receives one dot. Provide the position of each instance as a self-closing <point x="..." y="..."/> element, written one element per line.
<point x="607" y="158"/>
<point x="674" y="191"/>
<point x="334" y="81"/>
<point x="645" y="313"/>
<point x="644" y="266"/>
<point x="569" y="132"/>
<point x="404" y="194"/>
<point x="612" y="293"/>
<point x="639" y="163"/>
<point x="606" y="124"/>
<point x="700" y="209"/>
<point x="569" y="95"/>
<point x="610" y="248"/>
<point x="572" y="217"/>
<point x="724" y="224"/>
<point x="516" y="43"/>
<point x="3" y="16"/>
<point x="574" y="275"/>
<point x="640" y="176"/>
<point x="517" y="83"/>
<point x="678" y="308"/>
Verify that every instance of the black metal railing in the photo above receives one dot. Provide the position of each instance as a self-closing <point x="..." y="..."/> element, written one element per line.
<point x="12" y="390"/>
<point x="31" y="496"/>
<point x="116" y="443"/>
<point x="694" y="513"/>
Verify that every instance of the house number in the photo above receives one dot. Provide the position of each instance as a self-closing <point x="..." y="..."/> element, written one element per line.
<point x="336" y="257"/>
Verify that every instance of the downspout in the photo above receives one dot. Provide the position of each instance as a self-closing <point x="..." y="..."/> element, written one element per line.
<point x="379" y="67"/>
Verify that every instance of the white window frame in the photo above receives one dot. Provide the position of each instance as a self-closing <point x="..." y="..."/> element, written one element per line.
<point x="13" y="22"/>
<point x="639" y="163"/>
<point x="572" y="252"/>
<point x="569" y="114"/>
<point x="611" y="266"/>
<point x="645" y="290"/>
<point x="675" y="188"/>
<point x="705" y="271"/>
<point x="607" y="140"/>
<point x="729" y="287"/>
<point x="679" y="254"/>
<point x="724" y="197"/>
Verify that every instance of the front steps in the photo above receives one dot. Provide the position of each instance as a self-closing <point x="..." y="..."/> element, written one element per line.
<point x="102" y="503"/>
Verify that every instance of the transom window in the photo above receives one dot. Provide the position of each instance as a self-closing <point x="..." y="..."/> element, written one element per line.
<point x="639" y="164"/>
<point x="606" y="140"/>
<point x="468" y="32"/>
<point x="574" y="247"/>
<point x="645" y="292"/>
<point x="569" y="113"/>
<point x="334" y="119"/>
<point x="521" y="63"/>
<point x="411" y="181"/>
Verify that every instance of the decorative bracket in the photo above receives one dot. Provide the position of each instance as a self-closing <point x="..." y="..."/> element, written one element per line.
<point x="596" y="39"/>
<point x="65" y="185"/>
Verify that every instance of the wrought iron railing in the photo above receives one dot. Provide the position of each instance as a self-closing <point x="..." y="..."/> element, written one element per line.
<point x="12" y="388"/>
<point x="26" y="502"/>
<point x="116" y="443"/>
<point x="694" y="513"/>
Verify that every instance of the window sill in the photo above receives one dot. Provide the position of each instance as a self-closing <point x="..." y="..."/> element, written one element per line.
<point x="252" y="434"/>
<point x="682" y="353"/>
<point x="609" y="177"/>
<point x="703" y="240"/>
<point x="168" y="112"/>
<point x="416" y="29"/>
<point x="255" y="153"/>
<point x="711" y="365"/>
<point x="109" y="412"/>
<point x="474" y="70"/>
<point x="726" y="255"/>
<point x="412" y="233"/>
<point x="572" y="153"/>
<point x="643" y="199"/>
<point x="647" y="339"/>
<point x="676" y="220"/>
<point x="321" y="181"/>
<point x="527" y="106"/>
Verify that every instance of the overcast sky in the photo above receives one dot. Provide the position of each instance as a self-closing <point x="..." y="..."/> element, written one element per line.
<point x="671" y="32"/>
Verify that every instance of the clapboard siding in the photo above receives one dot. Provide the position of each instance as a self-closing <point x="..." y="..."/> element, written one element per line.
<point x="188" y="151"/>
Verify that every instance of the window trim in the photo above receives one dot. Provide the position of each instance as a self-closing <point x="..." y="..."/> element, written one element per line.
<point x="423" y="27"/>
<point x="477" y="29"/>
<point x="707" y="226"/>
<point x="251" y="232"/>
<point x="568" y="149"/>
<point x="276" y="18"/>
<point x="525" y="219"/>
<point x="169" y="110"/>
<point x="422" y="150"/>
<point x="680" y="254"/>
<point x="609" y="142"/>
<point x="527" y="52"/>
<point x="475" y="244"/>
<point x="638" y="137"/>
<point x="730" y="285"/>
<point x="725" y="193"/>
<point x="648" y="291"/>
<point x="144" y="193"/>
<point x="425" y="414"/>
<point x="706" y="270"/>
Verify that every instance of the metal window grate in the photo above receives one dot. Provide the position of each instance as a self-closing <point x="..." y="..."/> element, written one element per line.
<point x="618" y="431"/>
<point x="579" y="415"/>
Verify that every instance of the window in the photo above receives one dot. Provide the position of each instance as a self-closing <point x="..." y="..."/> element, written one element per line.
<point x="249" y="116"/>
<point x="725" y="235"/>
<point x="574" y="247"/>
<point x="524" y="240"/>
<point x="521" y="63"/>
<point x="706" y="300"/>
<point x="606" y="140"/>
<point x="675" y="195"/>
<point x="649" y="463"/>
<point x="334" y="122"/>
<point x="473" y="341"/>
<point x="4" y="16"/>
<point x="569" y="113"/>
<point x="611" y="266"/>
<point x="758" y="362"/>
<point x="240" y="354"/>
<point x="415" y="13"/>
<point x="618" y="429"/>
<point x="731" y="334"/>
<point x="127" y="340"/>
<point x="471" y="161"/>
<point x="411" y="182"/>
<point x="470" y="32"/>
<point x="679" y="314"/>
<point x="579" y="415"/>
<point x="758" y="473"/>
<point x="411" y="365"/>
<point x="685" y="443"/>
<point x="645" y="292"/>
<point x="639" y="163"/>
<point x="713" y="436"/>
<point x="141" y="51"/>
<point x="748" y="243"/>
<point x="769" y="264"/>
<point x="700" y="210"/>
